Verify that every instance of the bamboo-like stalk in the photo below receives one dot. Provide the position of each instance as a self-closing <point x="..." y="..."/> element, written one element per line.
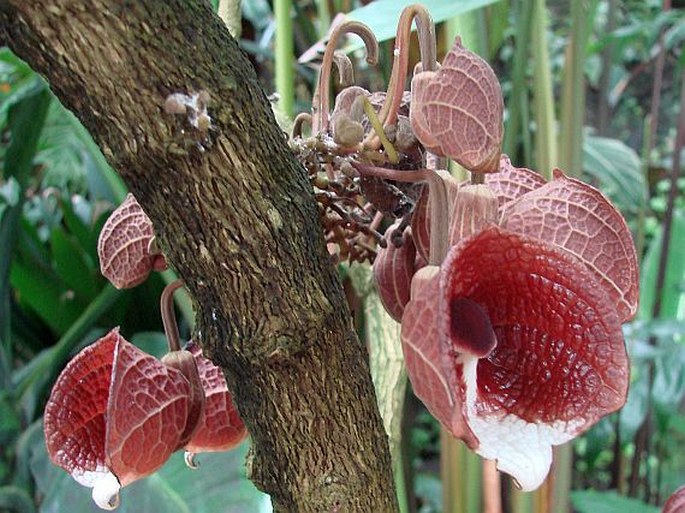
<point x="543" y="99"/>
<point x="285" y="80"/>
<point x="561" y="480"/>
<point x="517" y="103"/>
<point x="492" y="496"/>
<point x="605" y="77"/>
<point x="573" y="89"/>
<point x="462" y="493"/>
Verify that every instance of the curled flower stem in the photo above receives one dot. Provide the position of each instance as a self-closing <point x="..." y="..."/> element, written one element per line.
<point x="166" y="305"/>
<point x="321" y="100"/>
<point x="426" y="32"/>
<point x="438" y="200"/>
<point x="299" y="121"/>
<point x="345" y="70"/>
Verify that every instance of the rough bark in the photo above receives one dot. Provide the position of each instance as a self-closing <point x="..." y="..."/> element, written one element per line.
<point x="236" y="216"/>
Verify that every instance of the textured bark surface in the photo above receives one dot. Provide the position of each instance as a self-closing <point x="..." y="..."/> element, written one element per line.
<point x="236" y="218"/>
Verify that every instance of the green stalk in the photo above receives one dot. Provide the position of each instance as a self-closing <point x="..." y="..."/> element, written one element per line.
<point x="573" y="88"/>
<point x="517" y="103"/>
<point x="323" y="12"/>
<point x="543" y="99"/>
<point x="471" y="27"/>
<point x="462" y="493"/>
<point x="561" y="475"/>
<point x="521" y="502"/>
<point x="285" y="79"/>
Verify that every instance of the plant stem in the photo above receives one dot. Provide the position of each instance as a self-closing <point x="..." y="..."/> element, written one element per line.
<point x="543" y="99"/>
<point x="518" y="99"/>
<point x="573" y="93"/>
<point x="426" y="32"/>
<point x="285" y="80"/>
<point x="166" y="306"/>
<point x="492" y="496"/>
<point x="561" y="479"/>
<point x="321" y="100"/>
<point x="605" y="78"/>
<point x="439" y="240"/>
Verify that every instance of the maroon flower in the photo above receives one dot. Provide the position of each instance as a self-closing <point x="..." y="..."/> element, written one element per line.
<point x="125" y="246"/>
<point x="116" y="414"/>
<point x="514" y="342"/>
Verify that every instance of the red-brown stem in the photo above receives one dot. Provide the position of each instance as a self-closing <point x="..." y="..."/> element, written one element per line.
<point x="344" y="66"/>
<point x="492" y="497"/>
<point x="426" y="32"/>
<point x="299" y="121"/>
<point x="439" y="244"/>
<point x="166" y="306"/>
<point x="321" y="100"/>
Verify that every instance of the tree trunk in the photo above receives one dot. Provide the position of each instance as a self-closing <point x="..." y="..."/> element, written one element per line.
<point x="235" y="214"/>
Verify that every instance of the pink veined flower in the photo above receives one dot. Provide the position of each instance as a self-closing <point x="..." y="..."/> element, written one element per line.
<point x="116" y="414"/>
<point x="514" y="342"/>
<point x="124" y="246"/>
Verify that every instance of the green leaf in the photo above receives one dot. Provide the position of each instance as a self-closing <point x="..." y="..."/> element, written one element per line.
<point x="617" y="168"/>
<point x="673" y="293"/>
<point x="591" y="501"/>
<point x="74" y="266"/>
<point x="86" y="234"/>
<point x="633" y="414"/>
<point x="24" y="122"/>
<point x="389" y="376"/>
<point x="16" y="499"/>
<point x="46" y="296"/>
<point x="218" y="486"/>
<point x="152" y="342"/>
<point x="382" y="16"/>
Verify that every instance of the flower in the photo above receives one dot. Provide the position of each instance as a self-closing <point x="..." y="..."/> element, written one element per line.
<point x="514" y="341"/>
<point x="116" y="414"/>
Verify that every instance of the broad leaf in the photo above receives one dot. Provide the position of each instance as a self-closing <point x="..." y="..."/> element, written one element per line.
<point x="381" y="16"/>
<point x="219" y="485"/>
<point x="617" y="169"/>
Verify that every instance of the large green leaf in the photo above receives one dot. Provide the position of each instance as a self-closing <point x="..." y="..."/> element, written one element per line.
<point x="218" y="486"/>
<point x="25" y="120"/>
<point x="382" y="16"/>
<point x="591" y="501"/>
<point x="673" y="293"/>
<point x="617" y="169"/>
<point x="74" y="266"/>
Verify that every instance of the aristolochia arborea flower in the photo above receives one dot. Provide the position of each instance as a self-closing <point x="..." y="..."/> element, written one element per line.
<point x="514" y="342"/>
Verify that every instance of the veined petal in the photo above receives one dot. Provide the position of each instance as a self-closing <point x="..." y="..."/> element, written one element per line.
<point x="422" y="352"/>
<point x="393" y="269"/>
<point x="512" y="182"/>
<point x="577" y="217"/>
<point x="560" y="361"/>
